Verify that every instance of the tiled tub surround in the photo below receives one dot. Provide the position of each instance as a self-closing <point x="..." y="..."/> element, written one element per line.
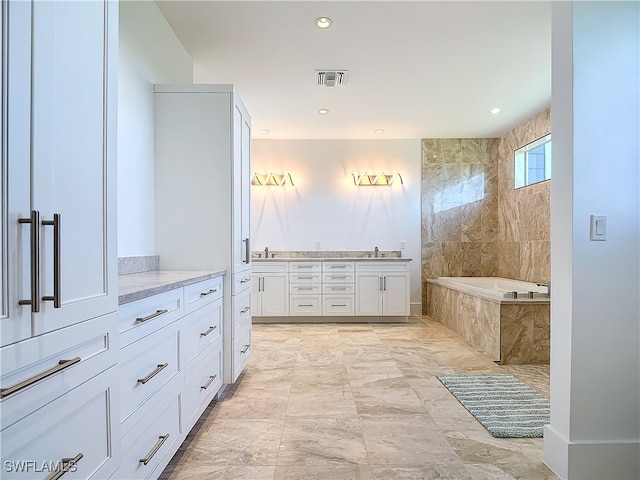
<point x="510" y="331"/>
<point x="474" y="223"/>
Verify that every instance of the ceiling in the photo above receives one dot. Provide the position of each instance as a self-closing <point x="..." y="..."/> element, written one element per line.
<point x="416" y="69"/>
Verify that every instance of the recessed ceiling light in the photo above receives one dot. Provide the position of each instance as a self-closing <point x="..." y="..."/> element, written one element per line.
<point x="323" y="111"/>
<point x="323" y="22"/>
<point x="264" y="130"/>
<point x="379" y="130"/>
<point x="494" y="110"/>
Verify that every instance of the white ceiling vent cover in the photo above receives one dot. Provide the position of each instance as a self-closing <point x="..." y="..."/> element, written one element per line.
<point x="331" y="78"/>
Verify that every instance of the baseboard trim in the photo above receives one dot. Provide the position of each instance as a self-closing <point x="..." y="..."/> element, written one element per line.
<point x="573" y="460"/>
<point x="319" y="319"/>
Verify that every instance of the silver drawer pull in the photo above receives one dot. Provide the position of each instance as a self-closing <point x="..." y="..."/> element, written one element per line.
<point x="245" y="280"/>
<point x="304" y="266"/>
<point x="341" y="277"/>
<point x="338" y="305"/>
<point x="209" y="382"/>
<point x="304" y="278"/>
<point x="338" y="266"/>
<point x="213" y="290"/>
<point x="65" y="465"/>
<point x="153" y="315"/>
<point x="62" y="364"/>
<point x="305" y="288"/>
<point x="337" y="288"/>
<point x="156" y="371"/>
<point x="155" y="449"/>
<point x="246" y="347"/>
<point x="211" y="329"/>
<point x="305" y="305"/>
<point x="245" y="310"/>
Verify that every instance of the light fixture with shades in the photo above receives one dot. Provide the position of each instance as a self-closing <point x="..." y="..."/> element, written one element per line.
<point x="269" y="179"/>
<point x="367" y="179"/>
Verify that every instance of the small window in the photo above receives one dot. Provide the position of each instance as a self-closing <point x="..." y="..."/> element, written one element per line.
<point x="533" y="162"/>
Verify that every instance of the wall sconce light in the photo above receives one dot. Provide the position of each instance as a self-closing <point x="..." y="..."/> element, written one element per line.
<point x="267" y="179"/>
<point x="380" y="179"/>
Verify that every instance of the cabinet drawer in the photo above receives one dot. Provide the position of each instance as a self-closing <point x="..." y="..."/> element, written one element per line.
<point x="383" y="266"/>
<point x="241" y="309"/>
<point x="338" y="288"/>
<point x="142" y="317"/>
<point x="145" y="366"/>
<point x="305" y="289"/>
<point x="201" y="385"/>
<point x="307" y="305"/>
<point x="338" y="305"/>
<point x="270" y="267"/>
<point x="338" y="277"/>
<point x="303" y="277"/>
<point x="305" y="267"/>
<point x="78" y="425"/>
<point x="241" y="350"/>
<point x="199" y="294"/>
<point x="153" y="440"/>
<point x="85" y="349"/>
<point x="200" y="329"/>
<point x="335" y="267"/>
<point x="241" y="282"/>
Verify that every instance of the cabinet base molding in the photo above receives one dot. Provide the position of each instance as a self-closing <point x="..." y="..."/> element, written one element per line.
<point x="349" y="319"/>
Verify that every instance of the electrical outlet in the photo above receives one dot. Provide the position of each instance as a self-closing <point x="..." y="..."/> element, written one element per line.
<point x="402" y="245"/>
<point x="318" y="245"/>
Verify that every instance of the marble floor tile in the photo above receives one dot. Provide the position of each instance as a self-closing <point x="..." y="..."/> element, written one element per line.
<point x="355" y="401"/>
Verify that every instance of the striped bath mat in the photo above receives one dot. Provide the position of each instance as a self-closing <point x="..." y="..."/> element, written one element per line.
<point x="501" y="403"/>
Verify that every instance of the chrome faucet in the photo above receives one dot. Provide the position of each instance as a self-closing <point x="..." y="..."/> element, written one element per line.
<point x="377" y="250"/>
<point x="266" y="252"/>
<point x="548" y="285"/>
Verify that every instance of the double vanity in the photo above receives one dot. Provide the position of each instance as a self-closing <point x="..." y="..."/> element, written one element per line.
<point x="318" y="286"/>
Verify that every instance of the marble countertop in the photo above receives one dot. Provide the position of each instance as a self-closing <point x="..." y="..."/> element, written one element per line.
<point x="140" y="285"/>
<point x="330" y="259"/>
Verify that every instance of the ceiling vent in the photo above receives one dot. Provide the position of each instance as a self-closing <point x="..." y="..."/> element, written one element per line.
<point x="331" y="78"/>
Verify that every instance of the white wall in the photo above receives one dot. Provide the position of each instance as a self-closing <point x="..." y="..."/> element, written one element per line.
<point x="325" y="206"/>
<point x="595" y="316"/>
<point x="149" y="53"/>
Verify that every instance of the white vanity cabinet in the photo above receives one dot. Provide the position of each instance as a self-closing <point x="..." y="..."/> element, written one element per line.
<point x="382" y="288"/>
<point x="58" y="335"/>
<point x="203" y="181"/>
<point x="338" y="289"/>
<point x="270" y="284"/>
<point x="305" y="289"/>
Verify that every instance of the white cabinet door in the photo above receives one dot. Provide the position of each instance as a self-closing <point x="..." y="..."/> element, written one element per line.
<point x="59" y="164"/>
<point x="15" y="40"/>
<point x="395" y="293"/>
<point x="369" y="293"/>
<point x="73" y="142"/>
<point x="241" y="186"/>
<point x="275" y="294"/>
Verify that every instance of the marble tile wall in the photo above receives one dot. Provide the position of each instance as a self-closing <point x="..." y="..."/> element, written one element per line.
<point x="474" y="223"/>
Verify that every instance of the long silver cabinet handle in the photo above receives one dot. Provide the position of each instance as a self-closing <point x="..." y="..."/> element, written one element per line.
<point x="65" y="466"/>
<point x="153" y="315"/>
<point x="246" y="347"/>
<point x="211" y="329"/>
<point x="62" y="364"/>
<point x="34" y="247"/>
<point x="247" y="251"/>
<point x="55" y="298"/>
<point x="155" y="449"/>
<point x="245" y="280"/>
<point x="156" y="371"/>
<point x="213" y="290"/>
<point x="384" y="284"/>
<point x="209" y="382"/>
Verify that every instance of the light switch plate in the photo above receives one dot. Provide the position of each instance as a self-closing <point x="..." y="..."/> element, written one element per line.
<point x="598" y="228"/>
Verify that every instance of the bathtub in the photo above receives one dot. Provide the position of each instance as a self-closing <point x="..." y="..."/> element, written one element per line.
<point x="484" y="311"/>
<point x="494" y="287"/>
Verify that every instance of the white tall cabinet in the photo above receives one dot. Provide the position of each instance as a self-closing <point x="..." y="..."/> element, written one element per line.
<point x="58" y="256"/>
<point x="203" y="155"/>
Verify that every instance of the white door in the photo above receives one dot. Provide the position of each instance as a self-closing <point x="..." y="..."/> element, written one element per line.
<point x="395" y="294"/>
<point x="256" y="295"/>
<point x="15" y="196"/>
<point x="275" y="294"/>
<point x="368" y="293"/>
<point x="73" y="148"/>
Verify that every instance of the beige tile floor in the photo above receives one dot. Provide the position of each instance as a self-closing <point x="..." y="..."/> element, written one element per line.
<point x="355" y="401"/>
